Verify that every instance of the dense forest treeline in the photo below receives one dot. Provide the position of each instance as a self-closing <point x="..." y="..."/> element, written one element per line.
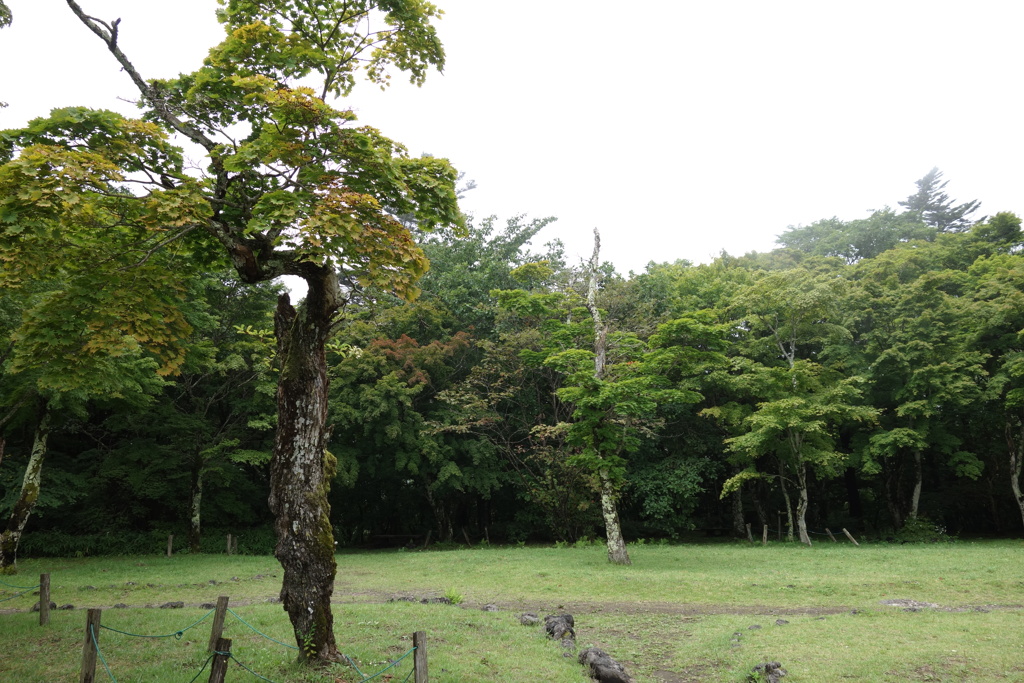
<point x="866" y="374"/>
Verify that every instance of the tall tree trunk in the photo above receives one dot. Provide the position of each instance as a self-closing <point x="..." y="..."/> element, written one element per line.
<point x="803" y="500"/>
<point x="915" y="497"/>
<point x="1015" y="444"/>
<point x="301" y="472"/>
<point x="11" y="535"/>
<point x="853" y="493"/>
<point x="195" y="502"/>
<point x="993" y="503"/>
<point x="445" y="531"/>
<point x="739" y="526"/>
<point x="787" y="501"/>
<point x="617" y="553"/>
<point x="891" y="484"/>
<point x="757" y="495"/>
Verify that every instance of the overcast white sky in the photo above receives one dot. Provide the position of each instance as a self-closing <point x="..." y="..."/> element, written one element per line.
<point x="679" y="128"/>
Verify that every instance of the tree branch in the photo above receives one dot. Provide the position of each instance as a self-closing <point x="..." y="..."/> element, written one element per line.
<point x="149" y="253"/>
<point x="108" y="34"/>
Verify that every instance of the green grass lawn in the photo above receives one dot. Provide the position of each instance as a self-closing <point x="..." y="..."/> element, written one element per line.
<point x="679" y="613"/>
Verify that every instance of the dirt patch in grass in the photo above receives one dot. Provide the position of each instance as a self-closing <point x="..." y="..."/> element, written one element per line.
<point x="684" y="610"/>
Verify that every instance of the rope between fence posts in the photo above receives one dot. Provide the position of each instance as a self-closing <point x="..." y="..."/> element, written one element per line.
<point x="260" y="632"/>
<point x="245" y="667"/>
<point x="203" y="668"/>
<point x="177" y="634"/>
<point x="11" y="585"/>
<point x="92" y="634"/>
<point x="18" y="595"/>
<point x="389" y="666"/>
<point x="362" y="676"/>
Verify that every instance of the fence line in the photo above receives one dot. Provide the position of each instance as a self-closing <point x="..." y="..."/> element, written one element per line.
<point x="222" y="652"/>
<point x="176" y="635"/>
<point x="44" y="596"/>
<point x="96" y="645"/>
<point x="258" y="631"/>
<point x="18" y="595"/>
<point x="19" y="587"/>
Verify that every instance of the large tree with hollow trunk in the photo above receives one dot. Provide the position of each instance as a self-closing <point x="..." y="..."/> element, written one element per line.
<point x="292" y="186"/>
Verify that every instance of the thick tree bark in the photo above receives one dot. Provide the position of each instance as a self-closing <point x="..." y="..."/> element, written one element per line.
<point x="11" y="535"/>
<point x="301" y="472"/>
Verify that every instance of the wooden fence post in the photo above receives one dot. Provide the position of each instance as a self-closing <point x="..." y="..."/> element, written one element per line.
<point x="830" y="535"/>
<point x="218" y="622"/>
<point x="750" y="536"/>
<point x="44" y="599"/>
<point x="764" y="536"/>
<point x="90" y="646"/>
<point x="419" y="658"/>
<point x="850" y="536"/>
<point x="170" y="545"/>
<point x="229" y="544"/>
<point x="219" y="668"/>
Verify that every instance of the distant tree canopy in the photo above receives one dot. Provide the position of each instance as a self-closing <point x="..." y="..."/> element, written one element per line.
<point x="933" y="207"/>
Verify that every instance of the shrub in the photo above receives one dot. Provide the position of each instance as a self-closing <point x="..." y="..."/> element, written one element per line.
<point x="922" y="530"/>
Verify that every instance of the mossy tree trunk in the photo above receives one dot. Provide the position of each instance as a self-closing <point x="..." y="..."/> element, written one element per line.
<point x="302" y="469"/>
<point x="617" y="553"/>
<point x="11" y="535"/>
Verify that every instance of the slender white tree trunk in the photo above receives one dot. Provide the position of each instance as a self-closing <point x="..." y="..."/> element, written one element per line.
<point x="11" y="535"/>
<point x="802" y="503"/>
<point x="788" y="502"/>
<point x="738" y="523"/>
<point x="617" y="553"/>
<point x="195" y="510"/>
<point x="1015" y="444"/>
<point x="915" y="497"/>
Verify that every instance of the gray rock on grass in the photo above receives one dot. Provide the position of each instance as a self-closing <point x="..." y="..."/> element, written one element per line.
<point x="769" y="672"/>
<point x="560" y="626"/>
<point x="602" y="667"/>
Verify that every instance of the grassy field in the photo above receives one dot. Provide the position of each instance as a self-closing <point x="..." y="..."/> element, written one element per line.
<point x="680" y="613"/>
